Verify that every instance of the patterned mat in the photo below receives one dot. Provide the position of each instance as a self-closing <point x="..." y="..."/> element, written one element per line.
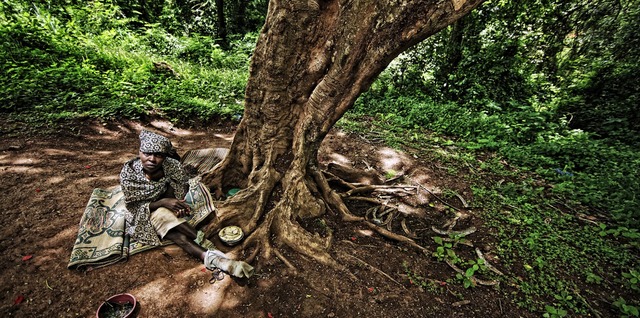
<point x="101" y="240"/>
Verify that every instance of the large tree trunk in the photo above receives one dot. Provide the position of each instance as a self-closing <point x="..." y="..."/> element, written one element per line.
<point x="311" y="62"/>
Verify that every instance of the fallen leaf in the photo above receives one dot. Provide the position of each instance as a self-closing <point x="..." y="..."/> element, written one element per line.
<point x="26" y="258"/>
<point x="18" y="299"/>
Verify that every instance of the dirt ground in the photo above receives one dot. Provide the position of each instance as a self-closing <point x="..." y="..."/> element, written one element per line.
<point x="48" y="173"/>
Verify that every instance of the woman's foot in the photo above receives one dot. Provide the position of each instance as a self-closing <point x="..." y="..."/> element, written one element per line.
<point x="215" y="259"/>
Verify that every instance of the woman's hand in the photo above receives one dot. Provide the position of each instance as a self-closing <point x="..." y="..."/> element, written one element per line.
<point x="179" y="207"/>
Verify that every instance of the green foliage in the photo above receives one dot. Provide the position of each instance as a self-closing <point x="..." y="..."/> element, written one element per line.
<point x="553" y="312"/>
<point x="82" y="61"/>
<point x="423" y="283"/>
<point x="625" y="309"/>
<point x="444" y="251"/>
<point x="632" y="279"/>
<point x="467" y="277"/>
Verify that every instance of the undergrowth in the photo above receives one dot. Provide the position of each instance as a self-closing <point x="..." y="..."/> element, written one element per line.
<point x="555" y="254"/>
<point x="52" y="69"/>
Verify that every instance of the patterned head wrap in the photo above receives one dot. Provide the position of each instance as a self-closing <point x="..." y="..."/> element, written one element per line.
<point x="154" y="143"/>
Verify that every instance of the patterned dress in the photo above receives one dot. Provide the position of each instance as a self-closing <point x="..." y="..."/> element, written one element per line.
<point x="139" y="192"/>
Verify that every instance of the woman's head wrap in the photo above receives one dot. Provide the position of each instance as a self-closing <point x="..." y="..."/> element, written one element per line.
<point x="154" y="143"/>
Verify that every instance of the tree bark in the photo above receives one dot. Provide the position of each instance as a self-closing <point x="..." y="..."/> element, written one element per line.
<point x="312" y="60"/>
<point x="221" y="23"/>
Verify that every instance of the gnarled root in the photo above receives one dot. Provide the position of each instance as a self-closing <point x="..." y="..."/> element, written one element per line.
<point x="246" y="207"/>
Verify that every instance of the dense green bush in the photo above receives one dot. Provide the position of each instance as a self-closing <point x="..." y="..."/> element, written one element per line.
<point x="53" y="67"/>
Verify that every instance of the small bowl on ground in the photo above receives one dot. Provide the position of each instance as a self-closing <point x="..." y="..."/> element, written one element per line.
<point x="118" y="306"/>
<point x="231" y="235"/>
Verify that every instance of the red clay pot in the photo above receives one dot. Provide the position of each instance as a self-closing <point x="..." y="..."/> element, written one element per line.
<point x="119" y="299"/>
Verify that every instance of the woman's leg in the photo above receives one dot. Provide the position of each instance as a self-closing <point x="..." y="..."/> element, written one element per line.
<point x="186" y="229"/>
<point x="186" y="243"/>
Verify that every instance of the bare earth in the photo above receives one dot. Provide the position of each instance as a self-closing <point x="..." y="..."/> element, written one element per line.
<point x="47" y="175"/>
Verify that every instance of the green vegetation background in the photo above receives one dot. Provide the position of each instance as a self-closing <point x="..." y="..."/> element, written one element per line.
<point x="534" y="102"/>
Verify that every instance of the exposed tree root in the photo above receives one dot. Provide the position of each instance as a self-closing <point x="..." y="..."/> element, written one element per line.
<point x="400" y="238"/>
<point x="410" y="234"/>
<point x="354" y="175"/>
<point x="464" y="232"/>
<point x="285" y="261"/>
<point x="458" y="241"/>
<point x="272" y="228"/>
<point x="463" y="201"/>
<point x="332" y="199"/>
<point x="487" y="264"/>
<point x="373" y="268"/>
<point x="334" y="178"/>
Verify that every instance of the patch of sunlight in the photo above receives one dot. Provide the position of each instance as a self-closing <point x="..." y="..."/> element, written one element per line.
<point x="20" y="161"/>
<point x="390" y="159"/>
<point x="66" y="235"/>
<point x="103" y="130"/>
<point x="211" y="297"/>
<point x="168" y="127"/>
<point x="57" y="152"/>
<point x="55" y="180"/>
<point x="340" y="159"/>
<point x="5" y="169"/>
<point x="444" y="152"/>
<point x="423" y="177"/>
<point x="227" y="137"/>
<point x="91" y="181"/>
<point x="205" y="300"/>
<point x="50" y="256"/>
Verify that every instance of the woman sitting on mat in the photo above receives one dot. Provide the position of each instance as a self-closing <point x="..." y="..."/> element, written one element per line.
<point x="154" y="187"/>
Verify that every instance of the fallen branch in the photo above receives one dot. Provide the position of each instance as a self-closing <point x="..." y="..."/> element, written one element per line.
<point x="375" y="269"/>
<point x="461" y="303"/>
<point x="394" y="178"/>
<point x="357" y="245"/>
<point x="438" y="198"/>
<point x="595" y="312"/>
